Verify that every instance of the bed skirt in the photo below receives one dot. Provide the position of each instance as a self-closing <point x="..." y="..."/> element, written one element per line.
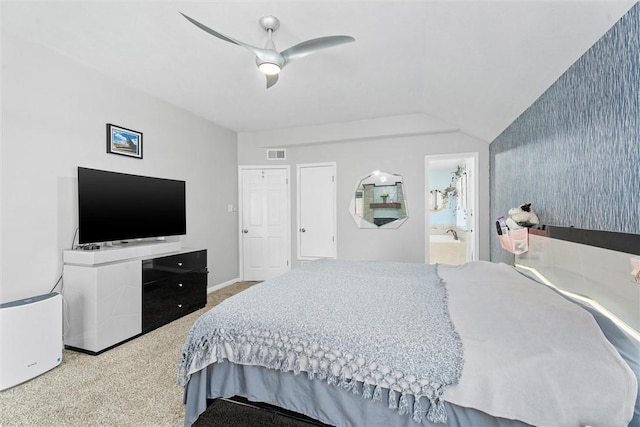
<point x="227" y="379"/>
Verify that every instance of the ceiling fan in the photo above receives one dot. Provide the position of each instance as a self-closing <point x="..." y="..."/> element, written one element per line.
<point x="268" y="59"/>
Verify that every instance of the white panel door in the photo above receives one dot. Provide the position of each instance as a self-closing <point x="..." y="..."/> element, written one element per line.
<point x="265" y="223"/>
<point x="317" y="211"/>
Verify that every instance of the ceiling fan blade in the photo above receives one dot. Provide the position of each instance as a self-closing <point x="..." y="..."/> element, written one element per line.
<point x="255" y="50"/>
<point x="310" y="46"/>
<point x="271" y="80"/>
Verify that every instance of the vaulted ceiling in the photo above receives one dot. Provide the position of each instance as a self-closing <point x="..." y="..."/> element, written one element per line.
<point x="474" y="64"/>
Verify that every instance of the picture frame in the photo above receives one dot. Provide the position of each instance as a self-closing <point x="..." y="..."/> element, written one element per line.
<point x="123" y="141"/>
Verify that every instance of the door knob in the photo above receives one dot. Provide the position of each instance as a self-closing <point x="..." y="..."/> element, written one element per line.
<point x="245" y="231"/>
<point x="302" y="230"/>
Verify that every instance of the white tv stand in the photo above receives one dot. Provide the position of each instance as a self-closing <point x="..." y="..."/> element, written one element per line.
<point x="106" y="291"/>
<point x="120" y="252"/>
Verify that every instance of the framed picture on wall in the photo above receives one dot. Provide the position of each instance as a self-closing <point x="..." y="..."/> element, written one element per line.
<point x="125" y="142"/>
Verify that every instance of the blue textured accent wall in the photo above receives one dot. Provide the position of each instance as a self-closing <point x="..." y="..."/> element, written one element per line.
<point x="575" y="153"/>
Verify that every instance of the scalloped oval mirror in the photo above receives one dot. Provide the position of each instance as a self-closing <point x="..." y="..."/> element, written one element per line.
<point x="379" y="201"/>
<point x="437" y="200"/>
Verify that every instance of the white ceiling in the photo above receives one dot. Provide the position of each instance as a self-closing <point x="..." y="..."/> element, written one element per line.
<point x="474" y="64"/>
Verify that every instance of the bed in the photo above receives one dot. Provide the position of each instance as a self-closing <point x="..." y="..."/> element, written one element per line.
<point x="356" y="343"/>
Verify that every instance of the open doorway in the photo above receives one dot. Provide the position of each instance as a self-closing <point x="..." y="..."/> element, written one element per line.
<point x="451" y="199"/>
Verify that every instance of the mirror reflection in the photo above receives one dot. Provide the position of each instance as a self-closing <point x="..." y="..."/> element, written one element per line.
<point x="437" y="200"/>
<point x="379" y="201"/>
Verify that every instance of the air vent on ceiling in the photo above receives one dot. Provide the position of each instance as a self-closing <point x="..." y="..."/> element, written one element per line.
<point x="276" y="154"/>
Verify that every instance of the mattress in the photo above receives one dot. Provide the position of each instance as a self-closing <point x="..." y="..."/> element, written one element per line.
<point x="530" y="357"/>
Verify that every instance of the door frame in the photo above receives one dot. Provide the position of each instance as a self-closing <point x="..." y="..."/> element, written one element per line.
<point x="242" y="168"/>
<point x="476" y="199"/>
<point x="335" y="207"/>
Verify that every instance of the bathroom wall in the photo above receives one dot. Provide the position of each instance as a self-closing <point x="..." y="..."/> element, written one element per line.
<point x="439" y="179"/>
<point x="575" y="153"/>
<point x="454" y="251"/>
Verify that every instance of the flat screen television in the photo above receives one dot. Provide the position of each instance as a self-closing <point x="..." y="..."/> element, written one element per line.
<point x="115" y="206"/>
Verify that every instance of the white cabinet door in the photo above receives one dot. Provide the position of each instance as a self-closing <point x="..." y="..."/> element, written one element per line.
<point x="105" y="304"/>
<point x="317" y="211"/>
<point x="265" y="223"/>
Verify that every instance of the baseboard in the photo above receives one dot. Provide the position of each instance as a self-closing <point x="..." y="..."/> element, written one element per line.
<point x="222" y="285"/>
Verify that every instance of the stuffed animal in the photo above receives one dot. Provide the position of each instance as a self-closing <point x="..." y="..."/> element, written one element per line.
<point x="521" y="217"/>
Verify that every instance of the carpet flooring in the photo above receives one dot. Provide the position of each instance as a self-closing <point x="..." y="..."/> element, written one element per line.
<point x="133" y="384"/>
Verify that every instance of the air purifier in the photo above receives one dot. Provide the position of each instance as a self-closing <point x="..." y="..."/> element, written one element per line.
<point x="30" y="338"/>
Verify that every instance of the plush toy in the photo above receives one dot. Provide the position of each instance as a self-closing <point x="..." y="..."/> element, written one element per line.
<point x="521" y="217"/>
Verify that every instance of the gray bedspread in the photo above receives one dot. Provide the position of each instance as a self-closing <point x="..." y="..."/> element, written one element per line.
<point x="382" y="324"/>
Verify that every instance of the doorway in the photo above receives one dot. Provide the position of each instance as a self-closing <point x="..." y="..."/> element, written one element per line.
<point x="265" y="245"/>
<point x="316" y="210"/>
<point x="451" y="205"/>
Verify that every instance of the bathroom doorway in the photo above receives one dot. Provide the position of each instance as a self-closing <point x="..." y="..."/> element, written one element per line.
<point x="451" y="204"/>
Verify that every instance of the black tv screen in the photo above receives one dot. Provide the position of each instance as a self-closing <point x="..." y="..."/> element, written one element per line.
<point x="116" y="206"/>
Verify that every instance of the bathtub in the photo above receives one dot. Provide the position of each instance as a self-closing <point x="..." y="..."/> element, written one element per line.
<point x="444" y="249"/>
<point x="442" y="238"/>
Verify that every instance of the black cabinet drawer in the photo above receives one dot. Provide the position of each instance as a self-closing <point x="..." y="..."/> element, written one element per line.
<point x="168" y="266"/>
<point x="166" y="300"/>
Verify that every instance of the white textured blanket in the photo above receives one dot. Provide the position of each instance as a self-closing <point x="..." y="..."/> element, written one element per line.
<point x="531" y="355"/>
<point x="361" y="326"/>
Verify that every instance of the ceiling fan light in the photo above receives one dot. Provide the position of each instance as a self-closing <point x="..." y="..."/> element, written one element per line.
<point x="269" y="68"/>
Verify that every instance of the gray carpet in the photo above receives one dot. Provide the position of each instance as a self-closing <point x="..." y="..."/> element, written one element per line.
<point x="133" y="384"/>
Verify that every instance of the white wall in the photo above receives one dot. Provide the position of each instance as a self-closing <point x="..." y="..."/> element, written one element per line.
<point x="397" y="145"/>
<point x="54" y="113"/>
